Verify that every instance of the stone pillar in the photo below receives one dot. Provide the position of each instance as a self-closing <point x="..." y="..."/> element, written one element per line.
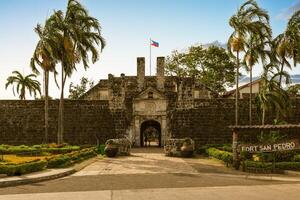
<point x="160" y="73"/>
<point x="140" y="72"/>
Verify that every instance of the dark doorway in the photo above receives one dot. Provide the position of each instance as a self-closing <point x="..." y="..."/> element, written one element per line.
<point x="150" y="134"/>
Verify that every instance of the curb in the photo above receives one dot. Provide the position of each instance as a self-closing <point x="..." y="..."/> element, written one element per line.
<point x="68" y="172"/>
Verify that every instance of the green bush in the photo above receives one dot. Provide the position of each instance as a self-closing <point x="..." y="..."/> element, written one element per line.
<point x="101" y="148"/>
<point x="36" y="150"/>
<point x="61" y="150"/>
<point x="71" y="158"/>
<point x="24" y="168"/>
<point x="59" y="161"/>
<point x="223" y="147"/>
<point x="221" y="155"/>
<point x="296" y="158"/>
<point x="269" y="165"/>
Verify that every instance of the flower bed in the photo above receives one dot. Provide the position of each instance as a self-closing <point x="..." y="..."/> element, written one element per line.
<point x="225" y="156"/>
<point x="18" y="164"/>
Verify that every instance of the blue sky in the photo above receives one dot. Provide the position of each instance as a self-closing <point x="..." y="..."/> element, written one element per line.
<point x="127" y="26"/>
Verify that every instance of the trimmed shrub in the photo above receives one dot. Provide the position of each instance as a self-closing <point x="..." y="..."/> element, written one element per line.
<point x="59" y="161"/>
<point x="296" y="158"/>
<point x="220" y="155"/>
<point x="101" y="148"/>
<point x="269" y="165"/>
<point x="37" y="150"/>
<point x="71" y="158"/>
<point x="223" y="147"/>
<point x="24" y="168"/>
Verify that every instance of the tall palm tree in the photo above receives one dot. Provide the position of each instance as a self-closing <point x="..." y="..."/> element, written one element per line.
<point x="78" y="35"/>
<point x="271" y="96"/>
<point x="44" y="56"/>
<point x="23" y="83"/>
<point x="255" y="51"/>
<point x="249" y="19"/>
<point x="287" y="44"/>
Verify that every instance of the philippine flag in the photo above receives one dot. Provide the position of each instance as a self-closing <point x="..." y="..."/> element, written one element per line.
<point x="155" y="44"/>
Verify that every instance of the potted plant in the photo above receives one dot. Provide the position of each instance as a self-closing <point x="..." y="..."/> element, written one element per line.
<point x="111" y="149"/>
<point x="187" y="148"/>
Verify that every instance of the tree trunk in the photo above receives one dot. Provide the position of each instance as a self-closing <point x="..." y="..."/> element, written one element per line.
<point x="280" y="80"/>
<point x="250" y="99"/>
<point x="46" y="74"/>
<point x="237" y="88"/>
<point x="61" y="110"/>
<point x="263" y="117"/>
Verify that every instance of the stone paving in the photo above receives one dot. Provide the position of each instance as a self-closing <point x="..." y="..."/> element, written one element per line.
<point x="138" y="163"/>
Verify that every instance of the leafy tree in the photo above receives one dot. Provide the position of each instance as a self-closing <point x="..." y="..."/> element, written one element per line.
<point x="78" y="36"/>
<point x="249" y="20"/>
<point x="44" y="56"/>
<point x="294" y="90"/>
<point x="211" y="66"/>
<point x="76" y="91"/>
<point x="23" y="83"/>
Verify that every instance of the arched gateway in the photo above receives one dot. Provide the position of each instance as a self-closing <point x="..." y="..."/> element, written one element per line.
<point x="150" y="134"/>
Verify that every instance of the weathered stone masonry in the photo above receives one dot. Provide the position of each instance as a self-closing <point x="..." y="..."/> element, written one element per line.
<point x="22" y="122"/>
<point x="126" y="106"/>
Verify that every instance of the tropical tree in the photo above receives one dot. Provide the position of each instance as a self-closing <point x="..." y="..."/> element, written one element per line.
<point x="78" y="36"/>
<point x="21" y="84"/>
<point x="287" y="44"/>
<point x="44" y="56"/>
<point x="256" y="49"/>
<point x="271" y="96"/>
<point x="200" y="64"/>
<point x="249" y="20"/>
<point x="76" y="91"/>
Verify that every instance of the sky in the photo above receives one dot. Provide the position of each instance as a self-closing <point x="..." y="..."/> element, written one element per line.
<point x="127" y="26"/>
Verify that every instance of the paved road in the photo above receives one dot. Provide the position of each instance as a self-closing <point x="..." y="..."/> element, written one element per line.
<point x="147" y="175"/>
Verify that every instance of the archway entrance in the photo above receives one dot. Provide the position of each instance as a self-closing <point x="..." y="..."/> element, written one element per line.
<point x="150" y="134"/>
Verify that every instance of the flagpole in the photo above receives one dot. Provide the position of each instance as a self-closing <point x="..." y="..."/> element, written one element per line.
<point x="150" y="56"/>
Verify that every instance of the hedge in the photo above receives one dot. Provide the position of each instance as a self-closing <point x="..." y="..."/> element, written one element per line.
<point x="269" y="165"/>
<point x="71" y="158"/>
<point x="221" y="155"/>
<point x="223" y="147"/>
<point x="37" y="149"/>
<point x="24" y="168"/>
<point x="296" y="158"/>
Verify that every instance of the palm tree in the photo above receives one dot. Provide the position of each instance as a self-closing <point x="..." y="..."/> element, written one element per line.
<point x="255" y="50"/>
<point x="78" y="35"/>
<point x="23" y="83"/>
<point x="271" y="96"/>
<point x="44" y="56"/>
<point x="248" y="20"/>
<point x="287" y="44"/>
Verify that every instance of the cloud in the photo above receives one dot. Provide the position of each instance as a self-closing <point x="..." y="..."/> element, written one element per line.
<point x="285" y="14"/>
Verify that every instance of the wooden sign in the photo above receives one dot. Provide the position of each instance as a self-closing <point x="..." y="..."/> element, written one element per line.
<point x="279" y="146"/>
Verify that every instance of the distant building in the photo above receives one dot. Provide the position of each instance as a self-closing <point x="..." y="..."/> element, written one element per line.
<point x="244" y="90"/>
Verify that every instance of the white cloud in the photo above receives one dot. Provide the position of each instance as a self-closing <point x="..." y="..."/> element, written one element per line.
<point x="285" y="14"/>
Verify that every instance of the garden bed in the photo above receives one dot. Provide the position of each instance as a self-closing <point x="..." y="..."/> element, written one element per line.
<point x="255" y="163"/>
<point x="14" y="161"/>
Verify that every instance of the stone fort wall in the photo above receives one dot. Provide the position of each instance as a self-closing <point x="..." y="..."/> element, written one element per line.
<point x="207" y="122"/>
<point x="22" y="122"/>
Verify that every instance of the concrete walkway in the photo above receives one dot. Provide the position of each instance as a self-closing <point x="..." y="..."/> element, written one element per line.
<point x="274" y="192"/>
